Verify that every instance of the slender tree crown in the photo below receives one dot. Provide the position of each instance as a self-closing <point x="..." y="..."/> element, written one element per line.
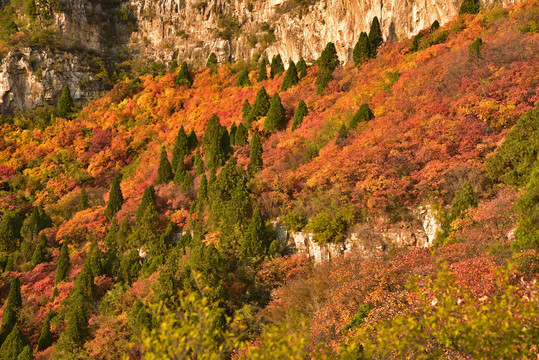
<point x="63" y="265"/>
<point x="116" y="199"/>
<point x="375" y="36"/>
<point x="276" y="119"/>
<point x="299" y="114"/>
<point x="184" y="77"/>
<point x="255" y="160"/>
<point x="363" y="114"/>
<point x="243" y="78"/>
<point x="301" y="67"/>
<point x="181" y="147"/>
<point x="261" y="105"/>
<point x="241" y="135"/>
<point x="262" y="71"/>
<point x="362" y="50"/>
<point x="212" y="62"/>
<point x="291" y="77"/>
<point x="277" y="66"/>
<point x="65" y="103"/>
<point x="164" y="172"/>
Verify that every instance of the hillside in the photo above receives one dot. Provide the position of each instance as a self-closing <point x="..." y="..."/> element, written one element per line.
<point x="167" y="197"/>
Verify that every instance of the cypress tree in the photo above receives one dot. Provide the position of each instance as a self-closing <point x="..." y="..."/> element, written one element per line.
<point x="262" y="72"/>
<point x="148" y="199"/>
<point x="94" y="260"/>
<point x="116" y="199"/>
<point x="363" y="114"/>
<point x="241" y="135"/>
<point x="65" y="103"/>
<point x="435" y="25"/>
<point x="474" y="51"/>
<point x="276" y="119"/>
<point x="129" y="268"/>
<point x="11" y="311"/>
<point x="243" y="79"/>
<point x="199" y="164"/>
<point x="291" y="77"/>
<point x="527" y="232"/>
<point x="299" y="114"/>
<point x="469" y="7"/>
<point x="26" y="354"/>
<point x="216" y="143"/>
<point x="45" y="336"/>
<point x="203" y="189"/>
<point x="328" y="60"/>
<point x="164" y="172"/>
<point x="184" y="77"/>
<point x="187" y="183"/>
<point x="10" y="231"/>
<point x="77" y="329"/>
<point x="63" y="265"/>
<point x="37" y="221"/>
<point x="246" y="110"/>
<point x="254" y="244"/>
<point x="464" y="199"/>
<point x="40" y="252"/>
<point x="180" y="173"/>
<point x="173" y="66"/>
<point x="192" y="140"/>
<point x="233" y="129"/>
<point x="277" y="66"/>
<point x="255" y="160"/>
<point x="181" y="148"/>
<point x="375" y="37"/>
<point x="301" y="67"/>
<point x="13" y="345"/>
<point x="362" y="50"/>
<point x="84" y="203"/>
<point x="416" y="41"/>
<point x="261" y="105"/>
<point x="343" y="132"/>
<point x="212" y="62"/>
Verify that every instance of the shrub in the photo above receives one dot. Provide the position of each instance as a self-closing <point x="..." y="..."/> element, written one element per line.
<point x="331" y="226"/>
<point x="469" y="7"/>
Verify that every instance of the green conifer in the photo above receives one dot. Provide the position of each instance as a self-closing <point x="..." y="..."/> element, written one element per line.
<point x="363" y="114"/>
<point x="375" y="37"/>
<point x="148" y="199"/>
<point x="10" y="231"/>
<point x="216" y="143"/>
<point x="26" y="354"/>
<point x="343" y="132"/>
<point x="291" y="77"/>
<point x="416" y="41"/>
<point x="464" y="199"/>
<point x="199" y="164"/>
<point x="116" y="199"/>
<point x="474" y="51"/>
<point x="37" y="221"/>
<point x="301" y="67"/>
<point x="246" y="110"/>
<point x="94" y="260"/>
<point x="187" y="183"/>
<point x="435" y="25"/>
<point x="11" y="311"/>
<point x="254" y="244"/>
<point x="362" y="50"/>
<point x="212" y="63"/>
<point x="180" y="173"/>
<point x="13" y="345"/>
<point x="527" y="232"/>
<point x="184" y="77"/>
<point x="243" y="79"/>
<point x="181" y="148"/>
<point x="84" y="203"/>
<point x="45" y="336"/>
<point x="63" y="265"/>
<point x="77" y="330"/>
<point x="469" y="7"/>
<point x="164" y="172"/>
<point x="40" y="252"/>
<point x="129" y="268"/>
<point x="328" y="60"/>
<point x="277" y="66"/>
<point x="65" y="103"/>
<point x="262" y="71"/>
<point x="193" y="140"/>
<point x="276" y="119"/>
<point x="31" y="9"/>
<point x="233" y="129"/>
<point x="203" y="189"/>
<point x="299" y="114"/>
<point x="255" y="160"/>
<point x="241" y="135"/>
<point x="173" y="66"/>
<point x="260" y="106"/>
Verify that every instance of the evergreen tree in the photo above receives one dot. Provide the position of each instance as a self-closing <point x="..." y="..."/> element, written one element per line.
<point x="26" y="354"/>
<point x="260" y="106"/>
<point x="77" y="329"/>
<point x="276" y="119"/>
<point x="13" y="345"/>
<point x="63" y="265"/>
<point x="246" y="110"/>
<point x="129" y="268"/>
<point x="181" y="148"/>
<point x="416" y="41"/>
<point x="277" y="66"/>
<point x="180" y="173"/>
<point x="291" y="77"/>
<point x="164" y="172"/>
<point x="435" y="25"/>
<point x="148" y="199"/>
<point x="45" y="336"/>
<point x="254" y="244"/>
<point x="464" y="199"/>
<point x="363" y="114"/>
<point x="187" y="183"/>
<point x="37" y="221"/>
<point x="203" y="189"/>
<point x="184" y="77"/>
<point x="31" y="9"/>
<point x="327" y="63"/>
<point x="474" y="51"/>
<point x="527" y="232"/>
<point x="243" y="79"/>
<point x="299" y="114"/>
<point x="241" y="135"/>
<point x="84" y="203"/>
<point x="262" y="72"/>
<point x="362" y="50"/>
<point x="65" y="103"/>
<point x="199" y="164"/>
<point x="94" y="260"/>
<point x="212" y="63"/>
<point x="375" y="37"/>
<point x="343" y="132"/>
<point x="469" y="7"/>
<point x="11" y="311"/>
<point x="116" y="199"/>
<point x="301" y="67"/>
<point x="216" y="143"/>
<point x="10" y="231"/>
<point x="111" y="262"/>
<point x="173" y="66"/>
<point x="233" y="129"/>
<point x="322" y="80"/>
<point x="193" y="140"/>
<point x="255" y="160"/>
<point x="40" y="252"/>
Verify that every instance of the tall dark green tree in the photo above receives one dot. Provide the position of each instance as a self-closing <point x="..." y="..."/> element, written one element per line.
<point x="212" y="63"/>
<point x="327" y="63"/>
<point x="63" y="265"/>
<point x="129" y="268"/>
<point x="260" y="106"/>
<point x="255" y="243"/>
<point x="187" y="182"/>
<point x="180" y="173"/>
<point x="65" y="103"/>
<point x="362" y="50"/>
<point x="13" y="345"/>
<point x="291" y="77"/>
<point x="116" y="199"/>
<point x="416" y="41"/>
<point x="84" y="203"/>
<point x="148" y="199"/>
<point x="184" y="77"/>
<point x="241" y="135"/>
<point x="199" y="163"/>
<point x="363" y="114"/>
<point x="193" y="140"/>
<point x="276" y="119"/>
<point x="469" y="7"/>
<point x="375" y="37"/>
<point x="262" y="71"/>
<point x="12" y="309"/>
<point x="474" y="51"/>
<point x="181" y="148"/>
<point x="246" y="110"/>
<point x="26" y="354"/>
<point x="10" y="231"/>
<point x="243" y="78"/>
<point x="299" y="114"/>
<point x="216" y="143"/>
<point x="203" y="189"/>
<point x="77" y="330"/>
<point x="527" y="232"/>
<point x="277" y="66"/>
<point x="40" y="252"/>
<point x="435" y="25"/>
<point x="35" y="222"/>
<point x="233" y="129"/>
<point x="255" y="160"/>
<point x="301" y="67"/>
<point x="94" y="260"/>
<point x="164" y="172"/>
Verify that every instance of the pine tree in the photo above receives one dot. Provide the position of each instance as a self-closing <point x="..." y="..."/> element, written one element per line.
<point x="187" y="183"/>
<point x="469" y="7"/>
<point x="13" y="345"/>
<point x="116" y="199"/>
<point x="301" y="67"/>
<point x="254" y="244"/>
<point x="216" y="143"/>
<point x="435" y="25"/>
<point x="199" y="164"/>
<point x="261" y="105"/>
<point x="241" y="135"/>
<point x="84" y="203"/>
<point x="243" y="79"/>
<point x="362" y="50"/>
<point x="277" y="66"/>
<point x="65" y="103"/>
<point x="129" y="268"/>
<point x="148" y="199"/>
<point x="10" y="231"/>
<point x="94" y="260"/>
<point x="276" y="119"/>
<point x="416" y="41"/>
<point x="31" y="9"/>
<point x="173" y="66"/>
<point x="255" y="160"/>
<point x="474" y="51"/>
<point x="299" y="114"/>
<point x="291" y="77"/>
<point x="527" y="232"/>
<point x="11" y="311"/>
<point x="375" y="37"/>
<point x="180" y="173"/>
<point x="262" y="72"/>
<point x="184" y="77"/>
<point x="26" y="354"/>
<point x="63" y="265"/>
<point x="40" y="252"/>
<point x="37" y="221"/>
<point x="246" y="110"/>
<point x="45" y="336"/>
<point x="181" y="148"/>
<point x="343" y="132"/>
<point x="212" y="63"/>
<point x="164" y="172"/>
<point x="203" y="189"/>
<point x="363" y="114"/>
<point x="193" y="140"/>
<point x="327" y="63"/>
<point x="233" y="129"/>
<point x="77" y="329"/>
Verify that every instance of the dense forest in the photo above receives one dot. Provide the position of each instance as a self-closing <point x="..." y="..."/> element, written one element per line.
<point x="145" y="224"/>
